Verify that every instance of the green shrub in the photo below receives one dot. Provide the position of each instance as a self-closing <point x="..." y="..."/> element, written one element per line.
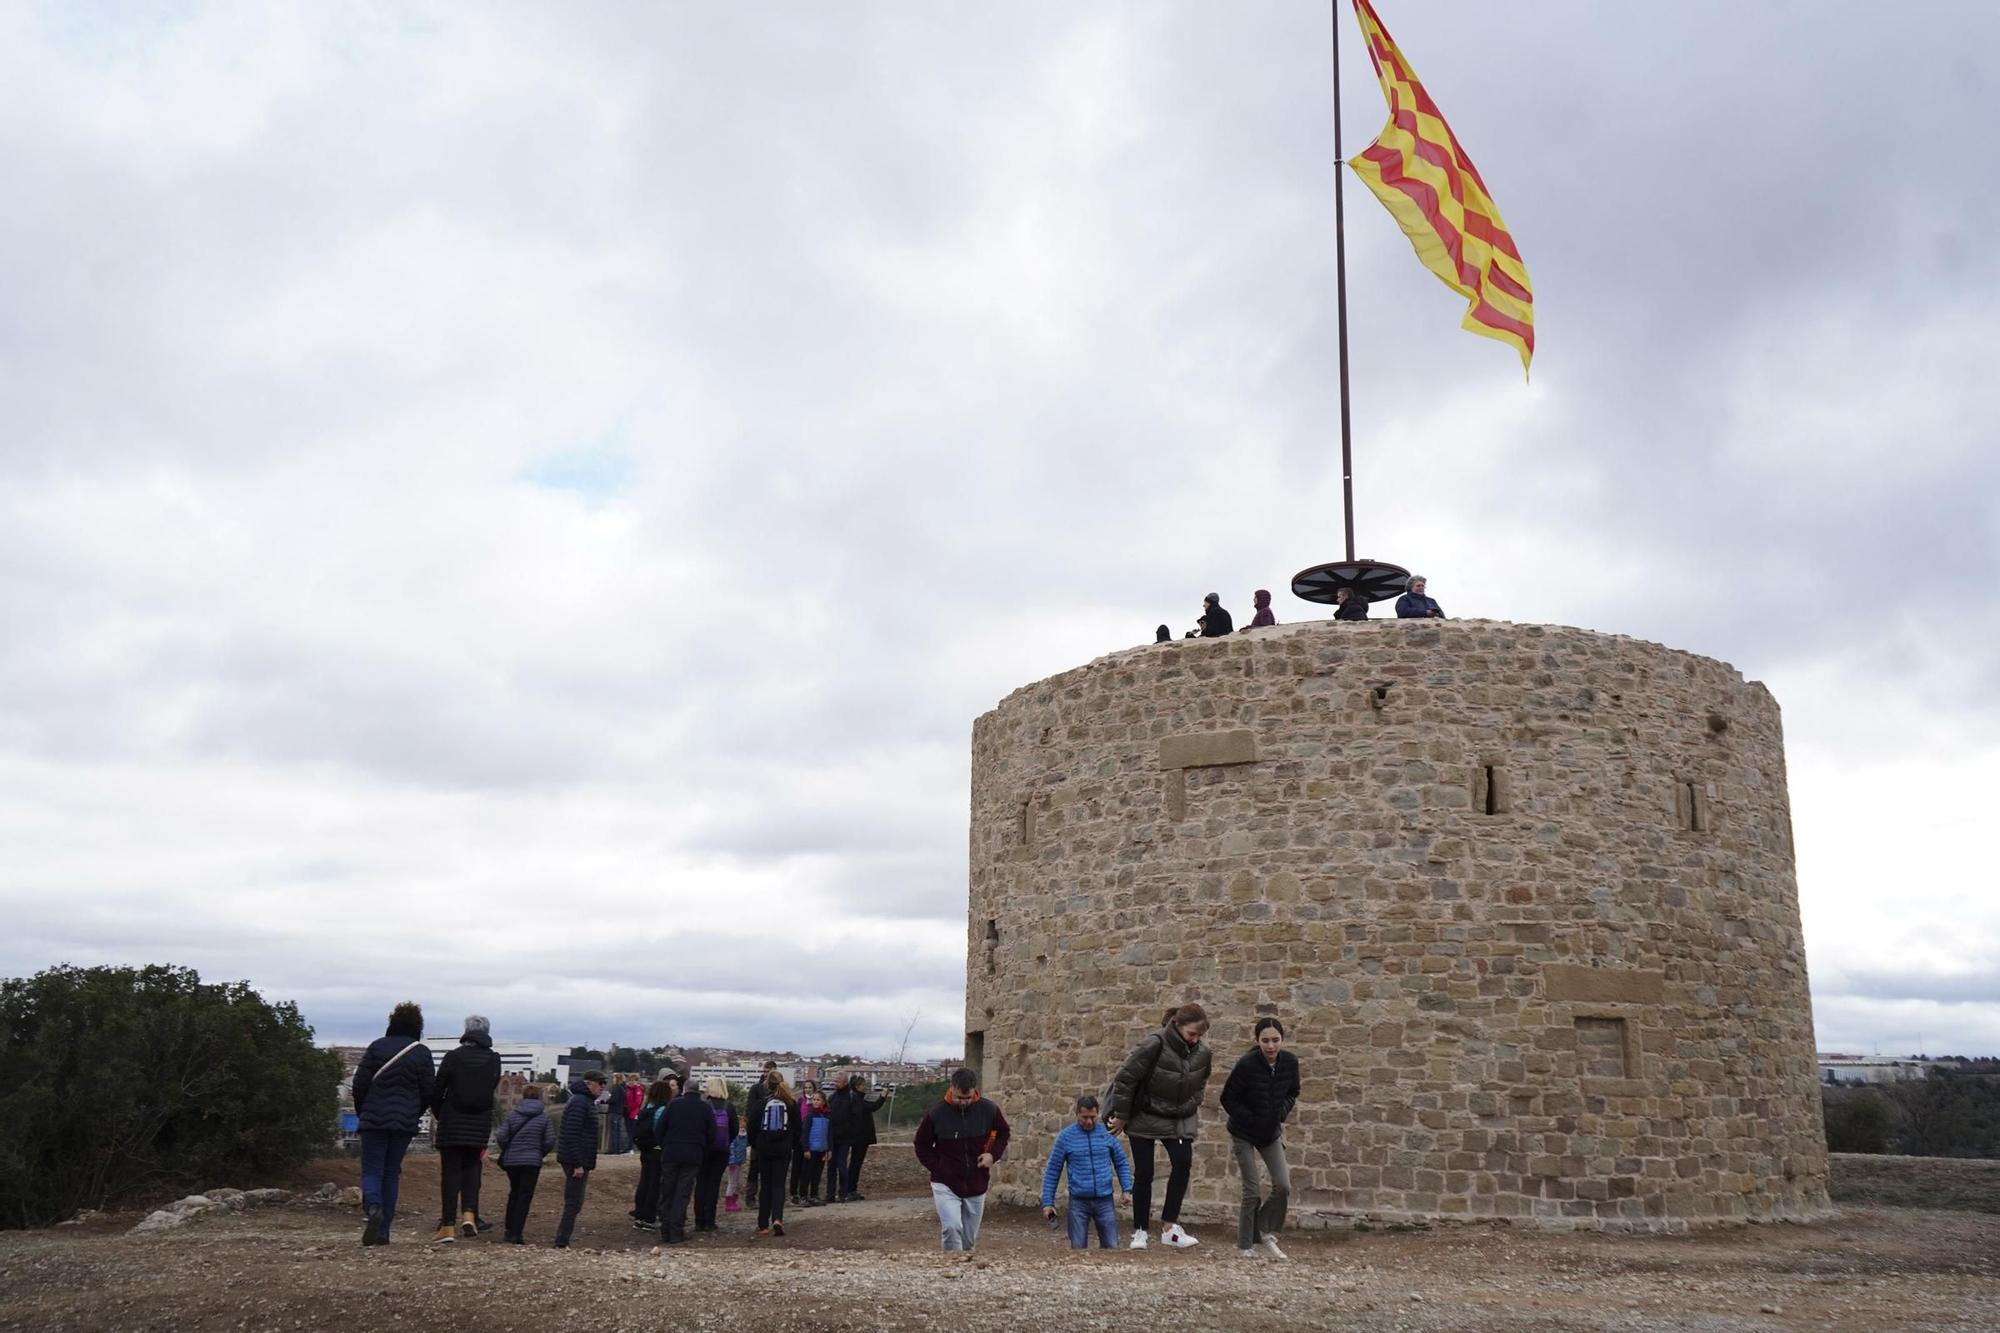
<point x="115" y="1080"/>
<point x="1858" y="1120"/>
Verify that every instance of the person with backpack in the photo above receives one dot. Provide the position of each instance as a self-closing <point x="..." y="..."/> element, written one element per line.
<point x="576" y="1149"/>
<point x="1097" y="1170"/>
<point x="853" y="1112"/>
<point x="777" y="1128"/>
<point x="463" y="1107"/>
<point x="958" y="1141"/>
<point x="684" y="1133"/>
<point x="393" y="1084"/>
<point x="646" y="1139"/>
<point x="1155" y="1100"/>
<point x="527" y="1136"/>
<point x="1258" y="1097"/>
<point x="816" y="1135"/>
<point x="723" y="1127"/>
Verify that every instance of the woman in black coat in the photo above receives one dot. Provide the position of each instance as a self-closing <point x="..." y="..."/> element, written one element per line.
<point x="393" y="1084"/>
<point x="463" y="1107"/>
<point x="853" y="1113"/>
<point x="1258" y="1098"/>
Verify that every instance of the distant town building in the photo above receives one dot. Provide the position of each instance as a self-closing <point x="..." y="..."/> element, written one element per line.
<point x="1837" y="1068"/>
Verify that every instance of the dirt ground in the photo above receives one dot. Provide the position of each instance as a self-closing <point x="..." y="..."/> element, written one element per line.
<point x="874" y="1265"/>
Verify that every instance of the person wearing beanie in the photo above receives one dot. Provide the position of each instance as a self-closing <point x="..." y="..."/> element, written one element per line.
<point x="463" y="1107"/>
<point x="1264" y="616"/>
<point x="1215" y="622"/>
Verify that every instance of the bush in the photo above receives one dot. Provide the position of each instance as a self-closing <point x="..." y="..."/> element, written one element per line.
<point x="1858" y="1120"/>
<point x="115" y="1080"/>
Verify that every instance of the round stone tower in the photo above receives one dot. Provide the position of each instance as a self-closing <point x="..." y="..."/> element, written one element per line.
<point x="1523" y="897"/>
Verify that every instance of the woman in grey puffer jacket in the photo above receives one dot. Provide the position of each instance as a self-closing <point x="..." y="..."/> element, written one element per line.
<point x="1156" y="1098"/>
<point x="525" y="1139"/>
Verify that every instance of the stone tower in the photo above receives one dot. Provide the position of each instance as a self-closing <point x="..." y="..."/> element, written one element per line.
<point x="1523" y="897"/>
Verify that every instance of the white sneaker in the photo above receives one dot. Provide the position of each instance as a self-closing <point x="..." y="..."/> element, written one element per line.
<point x="1174" y="1236"/>
<point x="1249" y="1254"/>
<point x="1269" y="1245"/>
<point x="1138" y="1240"/>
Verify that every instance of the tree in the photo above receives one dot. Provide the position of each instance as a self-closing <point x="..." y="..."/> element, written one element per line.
<point x="1858" y="1120"/>
<point x="115" y="1080"/>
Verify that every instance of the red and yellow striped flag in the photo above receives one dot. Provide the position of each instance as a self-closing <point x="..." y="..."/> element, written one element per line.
<point x="1428" y="184"/>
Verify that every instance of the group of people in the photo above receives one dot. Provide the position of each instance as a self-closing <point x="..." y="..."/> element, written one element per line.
<point x="793" y="1146"/>
<point x="1215" y="622"/>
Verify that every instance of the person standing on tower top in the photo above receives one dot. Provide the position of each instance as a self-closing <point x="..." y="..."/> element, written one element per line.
<point x="1414" y="605"/>
<point x="1215" y="622"/>
<point x="1262" y="599"/>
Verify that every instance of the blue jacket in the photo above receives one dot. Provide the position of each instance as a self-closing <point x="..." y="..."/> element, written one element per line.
<point x="1412" y="607"/>
<point x="528" y="1134"/>
<point x="578" y="1144"/>
<point x="396" y="1100"/>
<point x="819" y="1133"/>
<point x="1091" y="1158"/>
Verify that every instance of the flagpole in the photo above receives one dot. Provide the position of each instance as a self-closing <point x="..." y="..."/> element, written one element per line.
<point x="1340" y="293"/>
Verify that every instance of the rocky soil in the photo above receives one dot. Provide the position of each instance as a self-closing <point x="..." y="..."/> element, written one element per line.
<point x="298" y="1265"/>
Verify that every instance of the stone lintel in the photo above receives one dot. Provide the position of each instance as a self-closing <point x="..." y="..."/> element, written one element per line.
<point x="1208" y="749"/>
<point x="1602" y="985"/>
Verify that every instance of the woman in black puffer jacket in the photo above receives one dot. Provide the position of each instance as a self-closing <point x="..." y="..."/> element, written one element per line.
<point x="1258" y="1098"/>
<point x="393" y="1084"/>
<point x="1155" y="1098"/>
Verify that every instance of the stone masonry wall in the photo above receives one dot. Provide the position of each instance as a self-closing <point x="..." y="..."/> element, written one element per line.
<point x="1523" y="896"/>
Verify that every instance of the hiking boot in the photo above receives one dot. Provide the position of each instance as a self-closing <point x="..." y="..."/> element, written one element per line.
<point x="446" y="1234"/>
<point x="468" y="1225"/>
<point x="371" y="1231"/>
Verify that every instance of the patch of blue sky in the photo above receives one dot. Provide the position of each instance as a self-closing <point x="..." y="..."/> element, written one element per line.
<point x="598" y="472"/>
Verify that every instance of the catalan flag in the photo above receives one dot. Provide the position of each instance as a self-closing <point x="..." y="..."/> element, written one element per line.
<point x="1423" y="177"/>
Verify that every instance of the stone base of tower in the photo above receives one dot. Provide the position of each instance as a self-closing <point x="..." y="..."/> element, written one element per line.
<point x="1523" y="897"/>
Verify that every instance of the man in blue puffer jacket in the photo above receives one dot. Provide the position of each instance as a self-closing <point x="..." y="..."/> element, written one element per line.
<point x="1096" y="1165"/>
<point x="576" y="1149"/>
<point x="393" y="1085"/>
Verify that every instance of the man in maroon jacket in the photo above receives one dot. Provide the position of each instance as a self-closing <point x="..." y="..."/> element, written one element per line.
<point x="958" y="1141"/>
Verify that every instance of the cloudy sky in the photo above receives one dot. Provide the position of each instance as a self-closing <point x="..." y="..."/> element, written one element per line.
<point x="519" y="506"/>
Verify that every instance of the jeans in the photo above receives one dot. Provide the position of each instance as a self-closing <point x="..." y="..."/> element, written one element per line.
<point x="617" y="1131"/>
<point x="458" y="1174"/>
<point x="1257" y="1219"/>
<point x="382" y="1171"/>
<point x="958" y="1218"/>
<point x="1180" y="1161"/>
<point x="708" y="1188"/>
<point x="573" y="1188"/>
<point x="676" y="1188"/>
<point x="1084" y="1212"/>
<point x="646" y="1197"/>
<point x="845" y="1177"/>
<point x="521" y="1182"/>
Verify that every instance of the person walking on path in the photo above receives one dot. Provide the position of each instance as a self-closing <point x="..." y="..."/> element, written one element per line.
<point x="715" y="1153"/>
<point x="1258" y="1097"/>
<point x="526" y="1137"/>
<point x="576" y="1149"/>
<point x="777" y="1127"/>
<point x="1155" y="1100"/>
<point x="393" y="1084"/>
<point x="958" y="1141"/>
<point x="1097" y="1170"/>
<point x="853" y="1112"/>
<point x="463" y="1107"/>
<point x="646" y="1140"/>
<point x="684" y="1133"/>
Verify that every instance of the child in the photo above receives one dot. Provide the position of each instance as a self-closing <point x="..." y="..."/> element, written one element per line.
<point x="739" y="1152"/>
<point x="818" y="1135"/>
<point x="525" y="1139"/>
<point x="576" y="1150"/>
